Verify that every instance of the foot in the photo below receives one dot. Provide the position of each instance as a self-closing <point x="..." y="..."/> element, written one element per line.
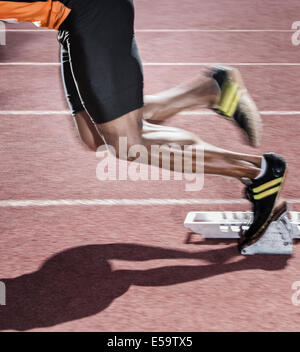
<point x="235" y="103"/>
<point x="263" y="193"/>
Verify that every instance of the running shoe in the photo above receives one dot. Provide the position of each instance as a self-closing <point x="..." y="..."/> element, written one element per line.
<point x="236" y="104"/>
<point x="263" y="193"/>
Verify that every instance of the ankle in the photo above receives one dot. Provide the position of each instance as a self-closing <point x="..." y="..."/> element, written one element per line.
<point x="213" y="91"/>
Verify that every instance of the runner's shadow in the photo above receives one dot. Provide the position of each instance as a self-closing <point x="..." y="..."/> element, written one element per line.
<point x="80" y="282"/>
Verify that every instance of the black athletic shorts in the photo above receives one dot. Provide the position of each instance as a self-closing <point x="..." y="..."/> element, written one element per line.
<point x="101" y="66"/>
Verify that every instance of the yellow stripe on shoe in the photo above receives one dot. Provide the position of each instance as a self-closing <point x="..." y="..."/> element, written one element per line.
<point x="234" y="104"/>
<point x="230" y="97"/>
<point x="268" y="185"/>
<point x="266" y="193"/>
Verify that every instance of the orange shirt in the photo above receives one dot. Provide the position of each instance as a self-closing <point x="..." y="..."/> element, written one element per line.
<point x="49" y="13"/>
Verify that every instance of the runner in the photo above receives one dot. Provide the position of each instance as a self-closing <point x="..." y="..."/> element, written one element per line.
<point x="103" y="78"/>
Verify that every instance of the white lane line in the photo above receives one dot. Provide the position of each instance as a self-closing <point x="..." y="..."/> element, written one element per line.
<point x="222" y="63"/>
<point x="114" y="202"/>
<point x="125" y="202"/>
<point x="262" y="112"/>
<point x="203" y="113"/>
<point x="168" y="63"/>
<point x="28" y="30"/>
<point x="191" y="30"/>
<point x="29" y="63"/>
<point x="207" y="30"/>
<point x="20" y="112"/>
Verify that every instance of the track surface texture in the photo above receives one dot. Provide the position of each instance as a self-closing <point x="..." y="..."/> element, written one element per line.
<point x="101" y="266"/>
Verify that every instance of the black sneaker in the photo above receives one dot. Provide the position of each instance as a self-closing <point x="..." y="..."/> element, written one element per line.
<point x="236" y="104"/>
<point x="263" y="193"/>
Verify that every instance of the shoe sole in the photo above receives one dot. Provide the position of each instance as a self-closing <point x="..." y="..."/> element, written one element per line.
<point x="253" y="122"/>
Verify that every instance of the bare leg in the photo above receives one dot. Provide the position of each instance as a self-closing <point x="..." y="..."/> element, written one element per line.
<point x="216" y="161"/>
<point x="138" y="131"/>
<point x="205" y="93"/>
<point x="202" y="92"/>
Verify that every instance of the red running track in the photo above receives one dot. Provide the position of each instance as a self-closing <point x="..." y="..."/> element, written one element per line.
<point x="134" y="267"/>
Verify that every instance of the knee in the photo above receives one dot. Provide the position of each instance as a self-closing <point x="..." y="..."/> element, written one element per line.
<point x="87" y="131"/>
<point x="124" y="135"/>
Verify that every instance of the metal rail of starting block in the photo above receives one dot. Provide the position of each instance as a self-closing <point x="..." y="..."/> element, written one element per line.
<point x="278" y="238"/>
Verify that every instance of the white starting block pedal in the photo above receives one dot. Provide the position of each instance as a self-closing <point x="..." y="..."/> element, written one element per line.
<point x="278" y="238"/>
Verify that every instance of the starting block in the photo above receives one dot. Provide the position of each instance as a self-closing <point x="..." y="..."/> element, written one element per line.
<point x="278" y="238"/>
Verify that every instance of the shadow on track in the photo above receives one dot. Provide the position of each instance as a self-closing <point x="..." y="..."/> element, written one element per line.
<point x="80" y="282"/>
